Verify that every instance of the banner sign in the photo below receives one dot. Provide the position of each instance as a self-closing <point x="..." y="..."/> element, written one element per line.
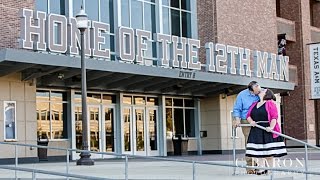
<point x="315" y="71"/>
<point x="57" y="33"/>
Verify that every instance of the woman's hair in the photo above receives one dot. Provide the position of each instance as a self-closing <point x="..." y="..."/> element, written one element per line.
<point x="269" y="95"/>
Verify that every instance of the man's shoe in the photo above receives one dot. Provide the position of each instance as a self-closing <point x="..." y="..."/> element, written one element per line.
<point x="251" y="171"/>
<point x="261" y="172"/>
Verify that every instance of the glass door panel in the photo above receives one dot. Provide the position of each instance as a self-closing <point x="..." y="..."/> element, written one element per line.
<point x="109" y="129"/>
<point x="78" y="127"/>
<point x="127" y="129"/>
<point x="140" y="130"/>
<point x="152" y="130"/>
<point x="94" y="116"/>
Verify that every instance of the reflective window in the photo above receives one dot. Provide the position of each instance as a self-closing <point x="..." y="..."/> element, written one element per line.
<point x="96" y="98"/>
<point x="175" y="3"/>
<point x="55" y="6"/>
<point x="166" y="20"/>
<point x="101" y="11"/>
<point x="127" y="100"/>
<point x="136" y="14"/>
<point x="42" y="5"/>
<point x="168" y="101"/>
<point x="139" y="101"/>
<point x="186" y="25"/>
<point x="185" y="4"/>
<point x="169" y="122"/>
<point x="180" y="117"/>
<point x="108" y="99"/>
<point x="58" y="96"/>
<point x="179" y="18"/>
<point x="107" y="13"/>
<point x="188" y="103"/>
<point x="52" y="115"/>
<point x="141" y="14"/>
<point x="189" y="122"/>
<point x="125" y="20"/>
<point x="92" y="9"/>
<point x="166" y="2"/>
<point x="76" y="7"/>
<point x="10" y="120"/>
<point x="152" y="101"/>
<point x="178" y="102"/>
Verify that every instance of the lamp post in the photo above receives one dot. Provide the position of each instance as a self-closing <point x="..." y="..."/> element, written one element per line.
<point x="82" y="24"/>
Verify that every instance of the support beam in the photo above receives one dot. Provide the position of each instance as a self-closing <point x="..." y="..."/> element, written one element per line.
<point x="147" y="83"/>
<point x="174" y="88"/>
<point x="97" y="75"/>
<point x="205" y="89"/>
<point x="218" y="90"/>
<point x="104" y="81"/>
<point x="119" y="78"/>
<point x="190" y="85"/>
<point x="15" y="69"/>
<point x="42" y="73"/>
<point x="160" y="85"/>
<point x="128" y="81"/>
<point x="200" y="87"/>
<point x="97" y="81"/>
<point x="68" y="73"/>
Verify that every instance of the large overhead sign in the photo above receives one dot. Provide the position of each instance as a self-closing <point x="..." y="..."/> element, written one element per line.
<point x="57" y="33"/>
<point x="315" y="71"/>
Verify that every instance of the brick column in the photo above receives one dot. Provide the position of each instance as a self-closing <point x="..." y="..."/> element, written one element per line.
<point x="298" y="109"/>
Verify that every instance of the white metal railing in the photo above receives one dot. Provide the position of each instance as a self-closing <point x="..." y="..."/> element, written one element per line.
<point x="126" y="156"/>
<point x="306" y="172"/>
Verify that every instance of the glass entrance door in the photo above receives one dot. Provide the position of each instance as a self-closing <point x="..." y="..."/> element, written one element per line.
<point x="139" y="127"/>
<point x="127" y="129"/>
<point x="108" y="126"/>
<point x="140" y="131"/>
<point x="94" y="115"/>
<point x="134" y="133"/>
<point x="94" y="131"/>
<point x="152" y="132"/>
<point x="101" y="132"/>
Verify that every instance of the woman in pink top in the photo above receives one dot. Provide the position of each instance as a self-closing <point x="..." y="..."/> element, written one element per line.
<point x="263" y="145"/>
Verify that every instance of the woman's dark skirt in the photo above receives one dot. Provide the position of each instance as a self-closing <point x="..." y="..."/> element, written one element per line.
<point x="261" y="144"/>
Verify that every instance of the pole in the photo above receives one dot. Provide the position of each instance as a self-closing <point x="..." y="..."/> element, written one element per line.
<point x="193" y="170"/>
<point x="234" y="150"/>
<point x="16" y="161"/>
<point x="306" y="160"/>
<point x="126" y="168"/>
<point x="84" y="156"/>
<point x="68" y="161"/>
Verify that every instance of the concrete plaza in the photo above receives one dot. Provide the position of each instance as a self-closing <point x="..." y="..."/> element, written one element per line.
<point x="166" y="170"/>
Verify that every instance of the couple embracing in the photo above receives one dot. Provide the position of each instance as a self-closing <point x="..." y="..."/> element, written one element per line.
<point x="256" y="105"/>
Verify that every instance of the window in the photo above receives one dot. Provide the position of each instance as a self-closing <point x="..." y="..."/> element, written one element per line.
<point x="51" y="6"/>
<point x="52" y="114"/>
<point x="102" y="11"/>
<point x="55" y="7"/>
<point x="314" y="13"/>
<point x="278" y="8"/>
<point x="180" y="18"/>
<point x="141" y="14"/>
<point x="42" y="5"/>
<point x="180" y="117"/>
<point x="10" y="126"/>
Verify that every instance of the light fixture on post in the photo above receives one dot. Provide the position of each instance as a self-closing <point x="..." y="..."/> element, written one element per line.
<point x="82" y="24"/>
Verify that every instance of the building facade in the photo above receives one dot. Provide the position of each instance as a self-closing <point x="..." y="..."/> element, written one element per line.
<point x="156" y="69"/>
